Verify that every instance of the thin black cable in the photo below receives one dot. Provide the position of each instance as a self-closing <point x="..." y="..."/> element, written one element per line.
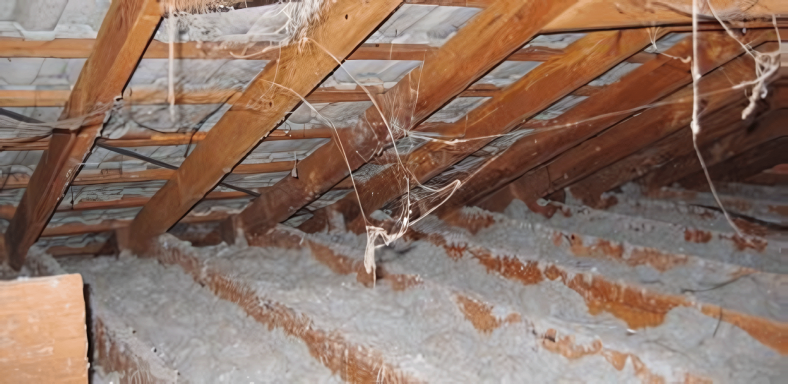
<point x="138" y="156"/>
<point x="19" y="117"/>
<point x="126" y="152"/>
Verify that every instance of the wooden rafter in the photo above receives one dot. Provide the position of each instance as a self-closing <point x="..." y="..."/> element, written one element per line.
<point x="743" y="166"/>
<point x="263" y="105"/>
<point x="626" y="137"/>
<point x="122" y="38"/>
<point x="635" y="90"/>
<point x="486" y="40"/>
<point x="588" y="58"/>
<point x="768" y="129"/>
<point x="642" y="162"/>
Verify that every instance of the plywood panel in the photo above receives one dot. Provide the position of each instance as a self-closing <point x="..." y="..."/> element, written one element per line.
<point x="42" y="331"/>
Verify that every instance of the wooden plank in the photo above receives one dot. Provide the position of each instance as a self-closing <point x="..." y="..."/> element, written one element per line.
<point x="585" y="15"/>
<point x="42" y="330"/>
<point x="628" y="136"/>
<point x="769" y="179"/>
<point x="122" y="38"/>
<point x="606" y="14"/>
<point x="7" y="211"/>
<point x="158" y="96"/>
<point x="94" y="248"/>
<point x="486" y="39"/>
<point x="263" y="105"/>
<point x="34" y="98"/>
<point x="12" y="47"/>
<point x="768" y="129"/>
<point x="635" y="90"/>
<point x="587" y="58"/>
<point x="109" y="176"/>
<point x="742" y="166"/>
<point x="677" y="144"/>
<point x="152" y="139"/>
<point x="72" y="229"/>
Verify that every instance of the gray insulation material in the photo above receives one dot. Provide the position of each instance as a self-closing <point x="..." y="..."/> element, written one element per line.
<point x="508" y="72"/>
<point x="206" y="339"/>
<point x="560" y="107"/>
<point x="422" y="24"/>
<point x="456" y="109"/>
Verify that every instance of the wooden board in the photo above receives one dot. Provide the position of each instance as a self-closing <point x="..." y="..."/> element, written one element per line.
<point x="42" y="330"/>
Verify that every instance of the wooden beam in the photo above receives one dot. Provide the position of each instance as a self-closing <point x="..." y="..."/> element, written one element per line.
<point x="742" y="166"/>
<point x="264" y="104"/>
<point x="12" y="47"/>
<point x="42" y="329"/>
<point x="109" y="176"/>
<point x="769" y="129"/>
<point x="585" y="15"/>
<point x="587" y="59"/>
<point x="161" y="139"/>
<point x="158" y="96"/>
<point x="122" y="38"/>
<point x="72" y="229"/>
<point x="676" y="144"/>
<point x="93" y="248"/>
<point x="635" y="90"/>
<point x="7" y="211"/>
<point x="626" y="137"/>
<point x="768" y="178"/>
<point x="486" y="39"/>
<point x="606" y="14"/>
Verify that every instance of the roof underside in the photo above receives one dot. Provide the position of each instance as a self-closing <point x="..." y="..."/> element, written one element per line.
<point x="110" y="188"/>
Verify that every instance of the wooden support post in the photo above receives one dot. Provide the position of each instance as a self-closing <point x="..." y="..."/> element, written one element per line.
<point x="124" y="34"/>
<point x="487" y="39"/>
<point x="274" y="92"/>
<point x="635" y="90"/>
